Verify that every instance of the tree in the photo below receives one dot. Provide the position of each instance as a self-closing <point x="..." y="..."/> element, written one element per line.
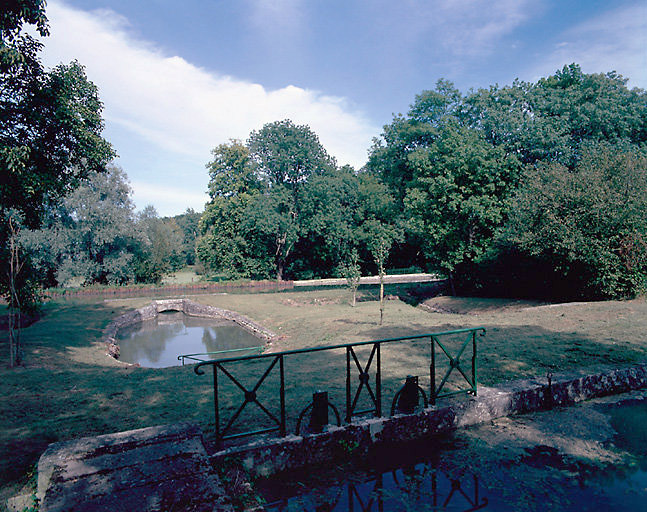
<point x="588" y="225"/>
<point x="161" y="247"/>
<point x="272" y="222"/>
<point x="188" y="223"/>
<point x="329" y="210"/>
<point x="91" y="238"/>
<point x="459" y="196"/>
<point x="379" y="238"/>
<point x="288" y="154"/>
<point x="225" y="244"/>
<point x="50" y="136"/>
<point x="548" y="121"/>
<point x="450" y="183"/>
<point x="351" y="271"/>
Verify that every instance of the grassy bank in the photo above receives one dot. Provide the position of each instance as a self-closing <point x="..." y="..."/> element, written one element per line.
<point x="70" y="388"/>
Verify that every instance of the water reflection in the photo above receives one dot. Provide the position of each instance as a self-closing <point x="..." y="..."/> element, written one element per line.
<point x="157" y="343"/>
<point x="495" y="467"/>
<point x="421" y="487"/>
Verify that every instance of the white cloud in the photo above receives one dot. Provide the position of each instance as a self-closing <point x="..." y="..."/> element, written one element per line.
<point x="614" y="41"/>
<point x="459" y="27"/>
<point x="473" y="27"/>
<point x="184" y="108"/>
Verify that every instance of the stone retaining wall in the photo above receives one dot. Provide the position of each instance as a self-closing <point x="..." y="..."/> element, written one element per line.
<point x="267" y="457"/>
<point x="186" y="306"/>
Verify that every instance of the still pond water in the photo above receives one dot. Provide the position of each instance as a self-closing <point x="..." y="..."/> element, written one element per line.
<point x="474" y="470"/>
<point x="157" y="343"/>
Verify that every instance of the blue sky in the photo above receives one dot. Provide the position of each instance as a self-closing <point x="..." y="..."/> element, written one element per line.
<point x="179" y="78"/>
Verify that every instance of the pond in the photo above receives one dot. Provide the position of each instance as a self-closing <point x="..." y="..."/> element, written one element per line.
<point x="157" y="343"/>
<point x="588" y="457"/>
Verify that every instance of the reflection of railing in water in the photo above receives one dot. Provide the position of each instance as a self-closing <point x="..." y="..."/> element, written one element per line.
<point x="250" y="394"/>
<point x="402" y="489"/>
<point x="197" y="358"/>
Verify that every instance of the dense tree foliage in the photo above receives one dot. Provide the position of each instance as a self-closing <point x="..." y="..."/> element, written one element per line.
<point x="585" y="229"/>
<point x="280" y="206"/>
<point x="161" y="248"/>
<point x="495" y="186"/>
<point x="94" y="236"/>
<point x="90" y="237"/>
<point x="188" y="222"/>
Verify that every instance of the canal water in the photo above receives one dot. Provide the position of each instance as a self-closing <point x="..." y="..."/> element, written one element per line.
<point x="590" y="457"/>
<point x="157" y="343"/>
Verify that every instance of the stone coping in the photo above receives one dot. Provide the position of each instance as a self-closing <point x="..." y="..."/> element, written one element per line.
<point x="183" y="305"/>
<point x="153" y="469"/>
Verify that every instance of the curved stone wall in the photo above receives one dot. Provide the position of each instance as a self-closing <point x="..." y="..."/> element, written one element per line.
<point x="186" y="306"/>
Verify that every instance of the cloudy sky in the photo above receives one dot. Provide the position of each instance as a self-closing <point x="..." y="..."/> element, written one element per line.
<point x="179" y="78"/>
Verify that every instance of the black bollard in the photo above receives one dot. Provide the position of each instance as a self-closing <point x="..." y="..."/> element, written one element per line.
<point x="409" y="400"/>
<point x="319" y="414"/>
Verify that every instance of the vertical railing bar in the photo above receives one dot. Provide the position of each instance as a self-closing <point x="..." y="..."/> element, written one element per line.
<point x="432" y="373"/>
<point x="282" y="396"/>
<point x="216" y="405"/>
<point x="348" y="409"/>
<point x="434" y="488"/>
<point x="474" y="362"/>
<point x="378" y="381"/>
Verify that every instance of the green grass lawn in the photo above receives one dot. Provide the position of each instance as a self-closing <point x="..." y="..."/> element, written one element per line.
<point x="69" y="387"/>
<point x="186" y="275"/>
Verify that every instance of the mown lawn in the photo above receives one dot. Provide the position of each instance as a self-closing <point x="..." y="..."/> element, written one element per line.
<point x="70" y="388"/>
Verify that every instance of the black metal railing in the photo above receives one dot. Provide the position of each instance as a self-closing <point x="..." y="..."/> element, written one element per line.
<point x="250" y="394"/>
<point x="200" y="357"/>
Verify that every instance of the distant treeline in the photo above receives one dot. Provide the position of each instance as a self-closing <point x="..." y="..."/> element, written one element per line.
<point x="94" y="236"/>
<point x="530" y="190"/>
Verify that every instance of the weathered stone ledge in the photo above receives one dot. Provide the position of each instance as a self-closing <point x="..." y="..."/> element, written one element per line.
<point x="267" y="457"/>
<point x="150" y="469"/>
<point x="186" y="306"/>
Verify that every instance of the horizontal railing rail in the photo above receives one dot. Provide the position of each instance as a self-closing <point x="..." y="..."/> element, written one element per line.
<point x="374" y="363"/>
<point x="198" y="359"/>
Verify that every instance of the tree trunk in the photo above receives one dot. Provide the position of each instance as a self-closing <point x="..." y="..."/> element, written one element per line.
<point x="451" y="284"/>
<point x="14" y="302"/>
<point x="381" y="271"/>
<point x="279" y="269"/>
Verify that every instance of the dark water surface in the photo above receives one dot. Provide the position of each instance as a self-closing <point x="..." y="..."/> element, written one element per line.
<point x="157" y="343"/>
<point x="467" y="471"/>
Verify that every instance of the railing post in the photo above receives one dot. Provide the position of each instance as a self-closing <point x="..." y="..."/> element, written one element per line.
<point x="474" y="371"/>
<point x="282" y="397"/>
<point x="348" y="406"/>
<point x="378" y="382"/>
<point x="215" y="402"/>
<point x="432" y="373"/>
